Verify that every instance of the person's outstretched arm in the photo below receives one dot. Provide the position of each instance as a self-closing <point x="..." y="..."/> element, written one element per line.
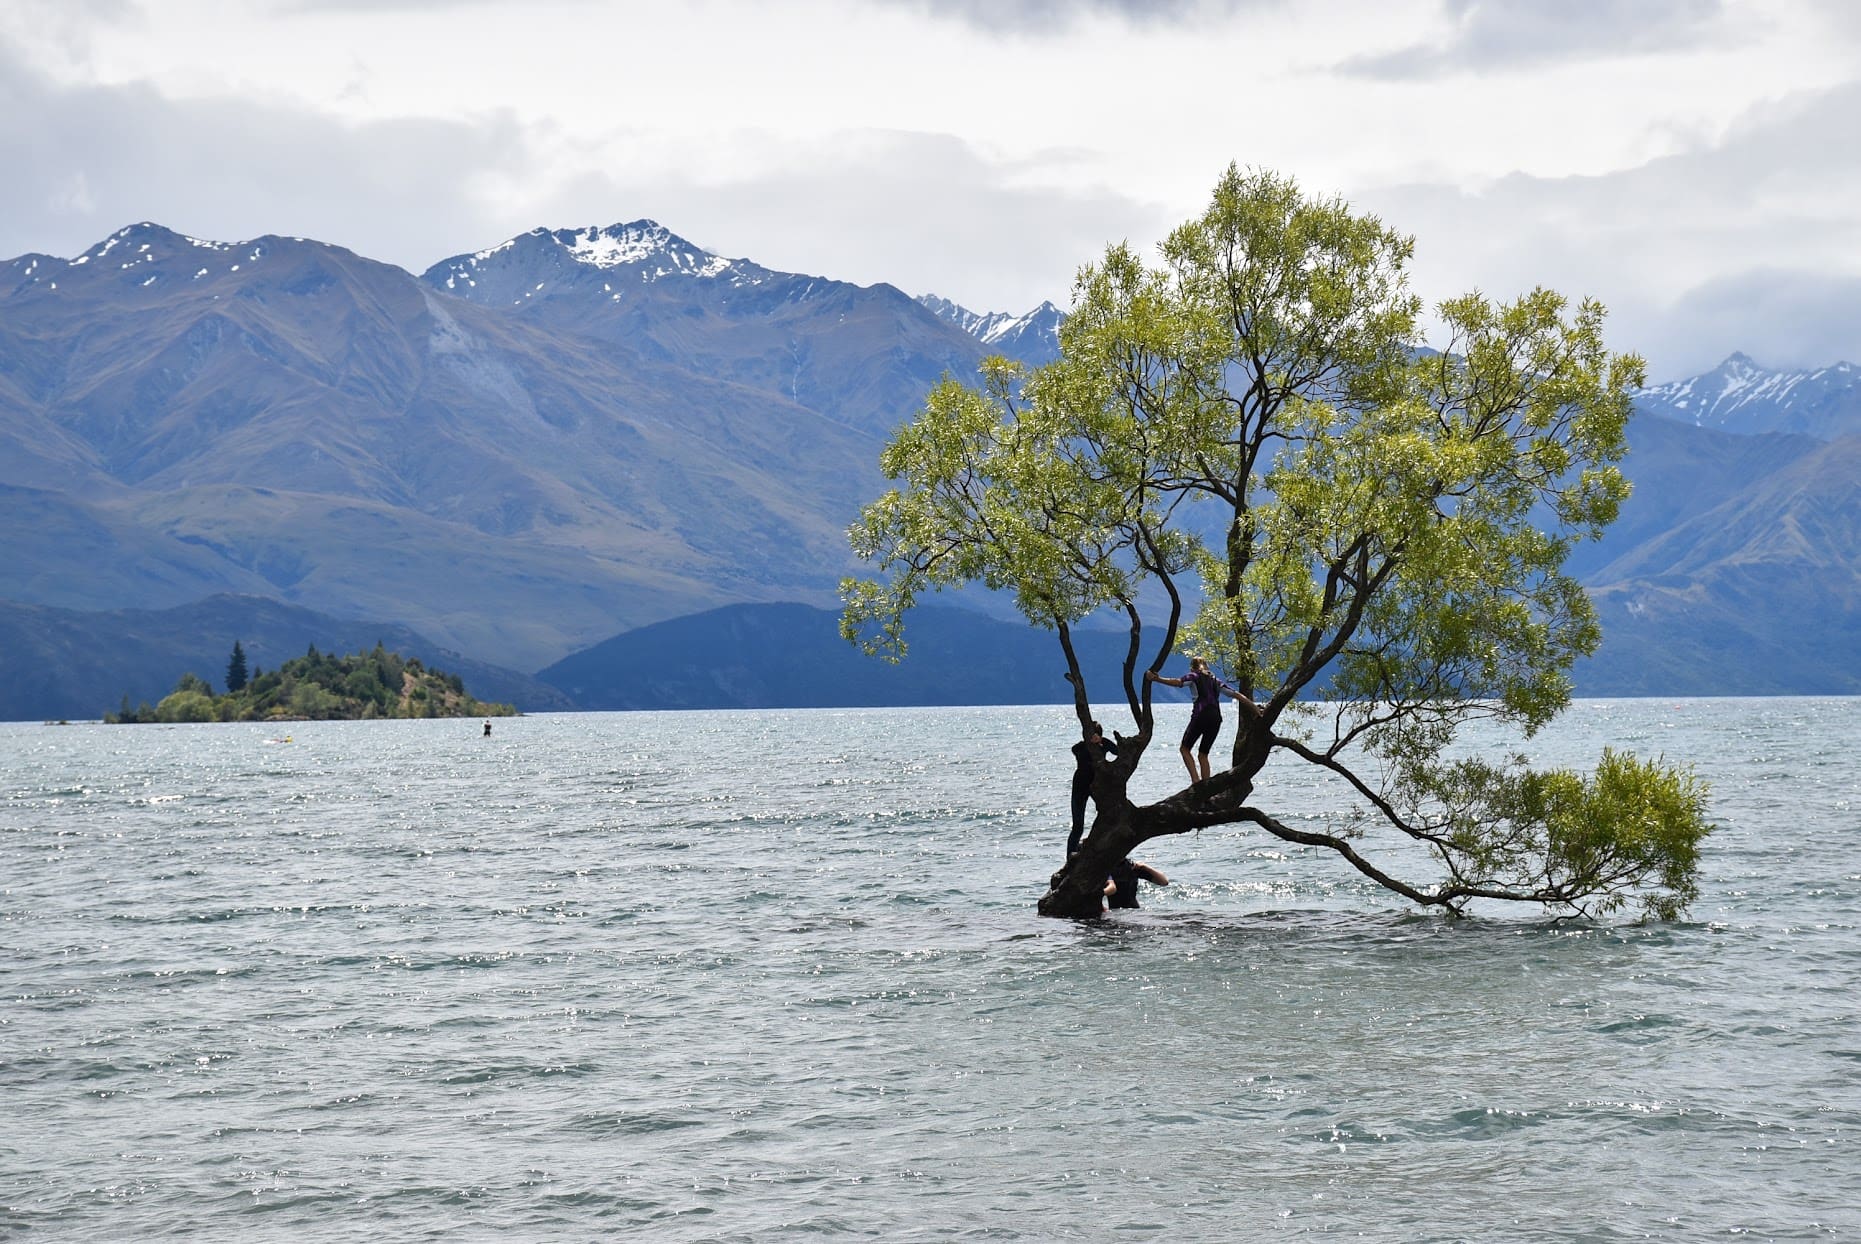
<point x="1245" y="701"/>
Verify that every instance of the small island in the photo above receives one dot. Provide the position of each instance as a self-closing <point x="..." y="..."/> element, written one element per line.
<point x="363" y="686"/>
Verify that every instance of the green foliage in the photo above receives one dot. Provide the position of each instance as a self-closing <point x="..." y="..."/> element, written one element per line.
<point x="185" y="705"/>
<point x="1244" y="449"/>
<point x="319" y="686"/>
<point x="1579" y="842"/>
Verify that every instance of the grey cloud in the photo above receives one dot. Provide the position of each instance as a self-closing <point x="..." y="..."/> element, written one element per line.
<point x="1781" y="318"/>
<point x="85" y="161"/>
<point x="379" y="6"/>
<point x="1502" y="35"/>
<point x="1058" y="16"/>
<point x="1672" y="246"/>
<point x="66" y="27"/>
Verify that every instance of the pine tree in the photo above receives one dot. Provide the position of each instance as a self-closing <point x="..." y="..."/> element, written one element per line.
<point x="236" y="670"/>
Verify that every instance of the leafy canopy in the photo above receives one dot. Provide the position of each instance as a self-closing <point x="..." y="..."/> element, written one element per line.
<point x="1245" y="448"/>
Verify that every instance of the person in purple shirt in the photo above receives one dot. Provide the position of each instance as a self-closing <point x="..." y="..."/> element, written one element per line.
<point x="1204" y="716"/>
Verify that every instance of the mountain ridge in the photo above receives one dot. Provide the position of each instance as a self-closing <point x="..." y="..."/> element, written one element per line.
<point x="1740" y="396"/>
<point x="654" y="433"/>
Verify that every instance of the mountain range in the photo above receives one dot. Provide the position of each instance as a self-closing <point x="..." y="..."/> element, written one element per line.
<point x="532" y="451"/>
<point x="1740" y="396"/>
<point x="639" y="431"/>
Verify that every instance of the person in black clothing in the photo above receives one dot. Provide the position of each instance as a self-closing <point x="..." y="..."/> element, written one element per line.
<point x="1087" y="753"/>
<point x="1121" y="887"/>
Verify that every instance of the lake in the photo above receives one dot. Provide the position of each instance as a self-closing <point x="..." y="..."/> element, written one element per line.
<point x="772" y="975"/>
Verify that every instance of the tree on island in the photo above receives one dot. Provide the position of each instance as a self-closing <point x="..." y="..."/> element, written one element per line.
<point x="316" y="686"/>
<point x="236" y="670"/>
<point x="1244" y="452"/>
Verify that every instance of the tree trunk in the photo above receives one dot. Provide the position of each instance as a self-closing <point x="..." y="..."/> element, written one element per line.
<point x="1077" y="891"/>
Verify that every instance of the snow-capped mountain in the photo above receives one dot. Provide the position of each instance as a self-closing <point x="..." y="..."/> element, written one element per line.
<point x="545" y="263"/>
<point x="146" y="256"/>
<point x="1740" y="396"/>
<point x="863" y="356"/>
<point x="1033" y="337"/>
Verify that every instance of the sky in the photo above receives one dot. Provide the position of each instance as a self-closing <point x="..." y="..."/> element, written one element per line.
<point x="1694" y="164"/>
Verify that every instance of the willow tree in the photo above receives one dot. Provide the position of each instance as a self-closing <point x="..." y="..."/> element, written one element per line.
<point x="1245" y="452"/>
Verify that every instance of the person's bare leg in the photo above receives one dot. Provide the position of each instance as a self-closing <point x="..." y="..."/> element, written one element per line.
<point x="1189" y="763"/>
<point x="1205" y="766"/>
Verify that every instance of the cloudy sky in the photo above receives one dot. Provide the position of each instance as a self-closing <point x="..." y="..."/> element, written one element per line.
<point x="1693" y="163"/>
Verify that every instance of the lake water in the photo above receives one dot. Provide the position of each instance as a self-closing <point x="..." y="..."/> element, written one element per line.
<point x="771" y="975"/>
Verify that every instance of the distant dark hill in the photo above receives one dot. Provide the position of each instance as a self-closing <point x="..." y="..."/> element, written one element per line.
<point x="70" y="664"/>
<point x="792" y="656"/>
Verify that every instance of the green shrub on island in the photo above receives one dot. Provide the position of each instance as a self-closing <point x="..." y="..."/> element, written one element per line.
<point x="320" y="687"/>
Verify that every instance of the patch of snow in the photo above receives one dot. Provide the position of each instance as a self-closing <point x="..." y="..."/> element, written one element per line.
<point x="612" y="247"/>
<point x="486" y="254"/>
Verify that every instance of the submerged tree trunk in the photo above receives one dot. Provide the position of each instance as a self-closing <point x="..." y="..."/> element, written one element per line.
<point x="1077" y="890"/>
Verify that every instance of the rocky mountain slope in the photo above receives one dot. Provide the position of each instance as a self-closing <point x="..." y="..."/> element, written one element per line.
<point x="861" y="356"/>
<point x="1758" y="594"/>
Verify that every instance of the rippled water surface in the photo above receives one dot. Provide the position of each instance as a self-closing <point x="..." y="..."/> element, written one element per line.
<point x="765" y="975"/>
